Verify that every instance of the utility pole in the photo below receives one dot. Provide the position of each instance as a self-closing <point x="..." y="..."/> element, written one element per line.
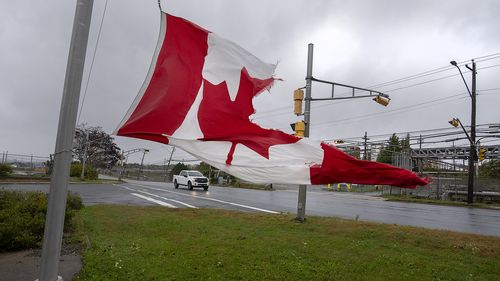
<point x="142" y="161"/>
<point x="472" y="154"/>
<point x="168" y="164"/>
<point x="301" y="204"/>
<point x="84" y="162"/>
<point x="365" y="155"/>
<point x="472" y="138"/>
<point x="120" y="175"/>
<point x="54" y="222"/>
<point x="420" y="161"/>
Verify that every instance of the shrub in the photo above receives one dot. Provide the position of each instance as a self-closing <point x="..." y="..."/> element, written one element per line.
<point x="22" y="218"/>
<point x="76" y="171"/>
<point x="5" y="170"/>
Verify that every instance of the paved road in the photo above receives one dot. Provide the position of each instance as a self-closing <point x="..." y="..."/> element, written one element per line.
<point x="319" y="203"/>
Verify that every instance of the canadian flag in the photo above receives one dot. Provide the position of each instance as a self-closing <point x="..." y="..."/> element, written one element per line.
<point x="198" y="96"/>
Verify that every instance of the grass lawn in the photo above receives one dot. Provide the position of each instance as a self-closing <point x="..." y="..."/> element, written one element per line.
<point x="155" y="243"/>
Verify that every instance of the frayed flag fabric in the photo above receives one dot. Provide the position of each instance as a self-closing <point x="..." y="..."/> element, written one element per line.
<point x="198" y="96"/>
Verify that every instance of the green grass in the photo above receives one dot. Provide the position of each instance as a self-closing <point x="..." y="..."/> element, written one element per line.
<point x="440" y="202"/>
<point x="154" y="243"/>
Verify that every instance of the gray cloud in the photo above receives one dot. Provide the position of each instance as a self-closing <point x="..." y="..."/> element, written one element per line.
<point x="356" y="42"/>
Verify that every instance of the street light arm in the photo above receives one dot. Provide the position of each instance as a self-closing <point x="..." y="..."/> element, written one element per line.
<point x="461" y="74"/>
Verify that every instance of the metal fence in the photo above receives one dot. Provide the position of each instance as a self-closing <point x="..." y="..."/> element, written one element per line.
<point x="449" y="180"/>
<point x="25" y="164"/>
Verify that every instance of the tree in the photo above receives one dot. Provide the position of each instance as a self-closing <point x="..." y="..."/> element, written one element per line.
<point x="354" y="151"/>
<point x="5" y="170"/>
<point x="490" y="169"/>
<point x="394" y="145"/>
<point x="177" y="169"/>
<point x="76" y="170"/>
<point x="102" y="152"/>
<point x="205" y="169"/>
<point x="405" y="143"/>
<point x="386" y="152"/>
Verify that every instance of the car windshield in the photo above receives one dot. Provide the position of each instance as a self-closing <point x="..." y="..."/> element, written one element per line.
<point x="195" y="174"/>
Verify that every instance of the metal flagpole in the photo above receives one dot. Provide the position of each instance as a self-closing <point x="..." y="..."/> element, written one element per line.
<point x="54" y="222"/>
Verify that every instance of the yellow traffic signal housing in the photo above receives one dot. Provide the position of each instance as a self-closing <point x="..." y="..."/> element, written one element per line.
<point x="381" y="100"/>
<point x="454" y="122"/>
<point x="298" y="97"/>
<point x="482" y="154"/>
<point x="299" y="128"/>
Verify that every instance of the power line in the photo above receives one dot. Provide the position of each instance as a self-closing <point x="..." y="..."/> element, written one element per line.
<point x="435" y="71"/>
<point x="415" y="132"/>
<point x="92" y="62"/>
<point x="436" y="79"/>
<point x="397" y="81"/>
<point x="410" y="107"/>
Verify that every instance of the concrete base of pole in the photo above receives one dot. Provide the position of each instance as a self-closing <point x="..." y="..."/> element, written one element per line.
<point x="301" y="206"/>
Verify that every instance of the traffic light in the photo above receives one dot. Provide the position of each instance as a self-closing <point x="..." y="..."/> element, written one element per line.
<point x="454" y="122"/>
<point x="298" y="127"/>
<point x="482" y="154"/>
<point x="298" y="97"/>
<point x="381" y="100"/>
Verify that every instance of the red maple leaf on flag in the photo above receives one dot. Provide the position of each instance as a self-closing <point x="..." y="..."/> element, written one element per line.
<point x="221" y="119"/>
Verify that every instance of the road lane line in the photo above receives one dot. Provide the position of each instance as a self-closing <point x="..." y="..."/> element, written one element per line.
<point x="154" y="200"/>
<point x="157" y="196"/>
<point x="210" y="199"/>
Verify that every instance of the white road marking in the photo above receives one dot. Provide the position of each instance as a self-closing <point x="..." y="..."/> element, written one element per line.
<point x="157" y="196"/>
<point x="153" y="200"/>
<point x="210" y="199"/>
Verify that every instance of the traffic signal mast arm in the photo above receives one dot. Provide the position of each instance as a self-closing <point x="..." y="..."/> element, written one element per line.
<point x="381" y="96"/>
<point x="300" y="127"/>
<point x="455" y="122"/>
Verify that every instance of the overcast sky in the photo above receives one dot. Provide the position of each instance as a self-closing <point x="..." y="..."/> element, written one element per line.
<point x="363" y="43"/>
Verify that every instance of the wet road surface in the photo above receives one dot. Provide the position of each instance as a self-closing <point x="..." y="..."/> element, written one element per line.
<point x="319" y="203"/>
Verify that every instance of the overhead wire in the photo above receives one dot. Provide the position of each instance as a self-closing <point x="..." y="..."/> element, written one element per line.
<point x="385" y="113"/>
<point x="272" y="112"/>
<point x="92" y="62"/>
<point x="419" y="132"/>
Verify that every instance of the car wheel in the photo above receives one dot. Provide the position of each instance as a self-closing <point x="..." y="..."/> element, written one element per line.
<point x="190" y="186"/>
<point x="175" y="184"/>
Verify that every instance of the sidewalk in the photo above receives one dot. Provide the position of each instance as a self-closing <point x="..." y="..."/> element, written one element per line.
<point x="25" y="265"/>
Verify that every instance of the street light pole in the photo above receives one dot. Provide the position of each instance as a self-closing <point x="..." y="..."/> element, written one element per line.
<point x="472" y="152"/>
